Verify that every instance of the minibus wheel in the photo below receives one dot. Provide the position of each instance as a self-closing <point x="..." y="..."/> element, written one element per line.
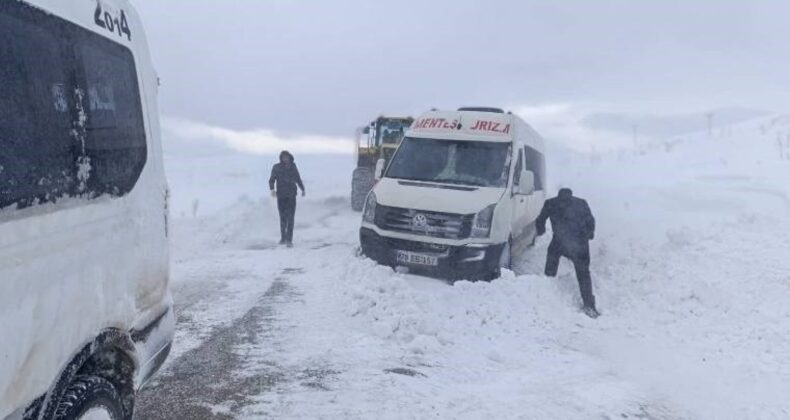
<point x="90" y="398"/>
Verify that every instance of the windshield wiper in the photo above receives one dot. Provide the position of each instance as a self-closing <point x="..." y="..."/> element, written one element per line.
<point x="441" y="181"/>
<point x="403" y="178"/>
<point x="459" y="182"/>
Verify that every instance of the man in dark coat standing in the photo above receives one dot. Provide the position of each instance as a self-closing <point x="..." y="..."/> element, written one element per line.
<point x="574" y="227"/>
<point x="282" y="183"/>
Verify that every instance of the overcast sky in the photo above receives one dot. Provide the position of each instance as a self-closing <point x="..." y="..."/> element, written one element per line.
<point x="325" y="67"/>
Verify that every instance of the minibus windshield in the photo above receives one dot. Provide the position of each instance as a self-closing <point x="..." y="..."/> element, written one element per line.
<point x="473" y="163"/>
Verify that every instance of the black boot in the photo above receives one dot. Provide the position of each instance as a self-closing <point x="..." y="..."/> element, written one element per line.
<point x="591" y="312"/>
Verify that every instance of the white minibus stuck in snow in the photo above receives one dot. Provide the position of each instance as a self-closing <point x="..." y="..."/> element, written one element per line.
<point x="85" y="310"/>
<point x="460" y="196"/>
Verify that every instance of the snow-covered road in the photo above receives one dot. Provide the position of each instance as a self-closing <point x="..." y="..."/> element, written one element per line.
<point x="236" y="283"/>
<point x="318" y="332"/>
<point x="691" y="271"/>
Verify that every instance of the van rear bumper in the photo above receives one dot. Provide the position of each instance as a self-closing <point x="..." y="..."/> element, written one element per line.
<point x="469" y="262"/>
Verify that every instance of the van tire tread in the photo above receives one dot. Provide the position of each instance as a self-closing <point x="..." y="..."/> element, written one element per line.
<point x="87" y="392"/>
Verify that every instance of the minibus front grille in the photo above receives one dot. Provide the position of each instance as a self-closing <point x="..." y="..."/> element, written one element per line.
<point x="424" y="223"/>
<point x="422" y="247"/>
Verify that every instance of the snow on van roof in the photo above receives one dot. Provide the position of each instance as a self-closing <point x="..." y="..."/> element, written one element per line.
<point x="485" y="126"/>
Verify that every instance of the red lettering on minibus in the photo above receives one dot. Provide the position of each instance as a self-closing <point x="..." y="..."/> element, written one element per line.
<point x="491" y="126"/>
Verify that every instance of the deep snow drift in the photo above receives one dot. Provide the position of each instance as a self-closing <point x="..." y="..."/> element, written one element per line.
<point x="690" y="268"/>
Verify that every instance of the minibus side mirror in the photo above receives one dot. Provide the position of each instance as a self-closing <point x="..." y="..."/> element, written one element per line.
<point x="366" y="130"/>
<point x="527" y="184"/>
<point x="379" y="169"/>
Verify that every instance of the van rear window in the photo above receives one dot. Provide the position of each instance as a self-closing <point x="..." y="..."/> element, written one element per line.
<point x="71" y="123"/>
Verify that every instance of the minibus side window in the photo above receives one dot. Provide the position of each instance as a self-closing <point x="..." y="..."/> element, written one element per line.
<point x="37" y="151"/>
<point x="536" y="163"/>
<point x="115" y="133"/>
<point x="71" y="121"/>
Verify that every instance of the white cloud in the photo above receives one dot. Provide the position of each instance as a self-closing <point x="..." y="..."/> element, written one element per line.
<point x="564" y="124"/>
<point x="260" y="141"/>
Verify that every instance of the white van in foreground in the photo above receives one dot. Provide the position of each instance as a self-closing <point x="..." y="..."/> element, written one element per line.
<point x="85" y="310"/>
<point x="459" y="197"/>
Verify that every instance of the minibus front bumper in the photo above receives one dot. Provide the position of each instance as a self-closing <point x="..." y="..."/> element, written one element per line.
<point x="468" y="262"/>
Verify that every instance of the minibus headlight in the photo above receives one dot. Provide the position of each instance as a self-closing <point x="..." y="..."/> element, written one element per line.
<point x="369" y="214"/>
<point x="481" y="225"/>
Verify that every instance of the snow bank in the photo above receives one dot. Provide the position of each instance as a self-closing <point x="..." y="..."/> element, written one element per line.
<point x="516" y="345"/>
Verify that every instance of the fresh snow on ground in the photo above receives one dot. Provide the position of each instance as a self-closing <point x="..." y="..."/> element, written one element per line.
<point x="690" y="266"/>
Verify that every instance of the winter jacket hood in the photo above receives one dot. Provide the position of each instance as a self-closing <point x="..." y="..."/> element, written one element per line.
<point x="287" y="154"/>
<point x="285" y="177"/>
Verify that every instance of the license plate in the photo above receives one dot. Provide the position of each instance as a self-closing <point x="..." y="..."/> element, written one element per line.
<point x="414" y="258"/>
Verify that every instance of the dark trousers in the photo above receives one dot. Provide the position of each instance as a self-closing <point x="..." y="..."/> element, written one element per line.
<point x="287" y="208"/>
<point x="580" y="256"/>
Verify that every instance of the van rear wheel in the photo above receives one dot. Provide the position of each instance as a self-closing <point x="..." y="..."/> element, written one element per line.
<point x="90" y="398"/>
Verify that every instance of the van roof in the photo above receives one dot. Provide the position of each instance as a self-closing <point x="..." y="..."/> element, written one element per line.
<point x="482" y="109"/>
<point x="47" y="4"/>
<point x="477" y="125"/>
<point x="84" y="13"/>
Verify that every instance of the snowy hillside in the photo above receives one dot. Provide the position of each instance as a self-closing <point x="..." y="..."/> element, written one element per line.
<point x="690" y="268"/>
<point x="692" y="265"/>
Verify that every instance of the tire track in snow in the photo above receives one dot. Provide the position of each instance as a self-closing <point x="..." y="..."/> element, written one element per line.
<point x="214" y="380"/>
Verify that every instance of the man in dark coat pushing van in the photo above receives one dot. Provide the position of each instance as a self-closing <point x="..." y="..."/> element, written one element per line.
<point x="574" y="227"/>
<point x="282" y="183"/>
